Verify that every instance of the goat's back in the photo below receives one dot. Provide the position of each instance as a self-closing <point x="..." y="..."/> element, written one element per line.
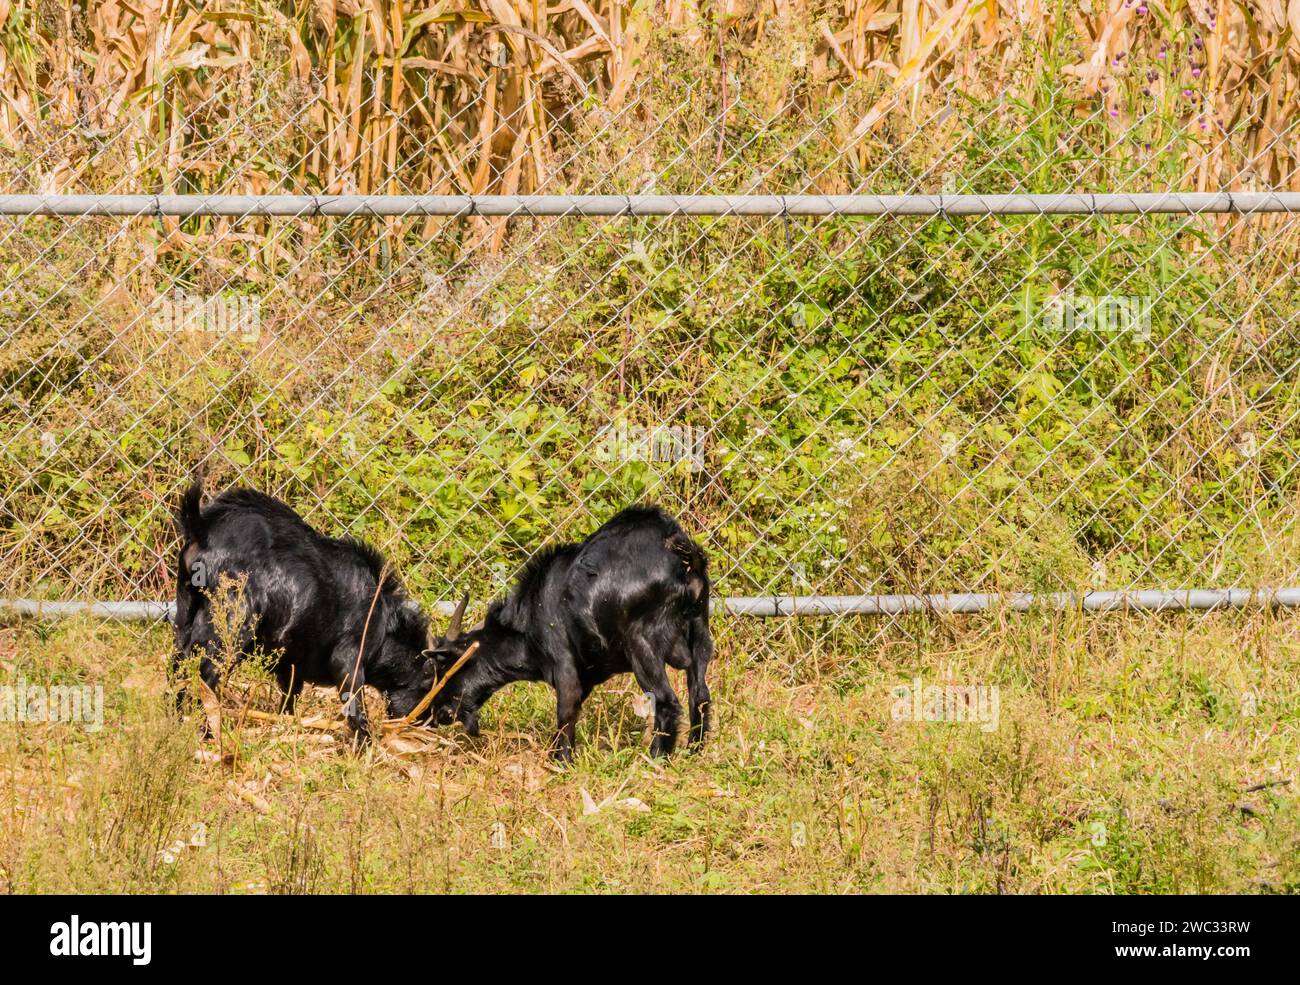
<point x="306" y="591"/>
<point x="643" y="548"/>
<point x="638" y="564"/>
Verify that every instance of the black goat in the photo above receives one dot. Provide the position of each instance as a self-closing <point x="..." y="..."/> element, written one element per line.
<point x="634" y="596"/>
<point x="314" y="603"/>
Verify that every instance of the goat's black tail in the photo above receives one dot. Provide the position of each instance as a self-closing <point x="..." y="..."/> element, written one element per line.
<point x="189" y="518"/>
<point x="189" y="524"/>
<point x="695" y="567"/>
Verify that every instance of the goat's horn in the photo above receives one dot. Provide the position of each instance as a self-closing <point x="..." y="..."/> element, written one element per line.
<point x="454" y="629"/>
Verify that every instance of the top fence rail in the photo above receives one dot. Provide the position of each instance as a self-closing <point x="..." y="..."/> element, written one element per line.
<point x="1243" y="203"/>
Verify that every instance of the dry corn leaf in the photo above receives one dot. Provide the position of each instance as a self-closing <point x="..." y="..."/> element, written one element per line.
<point x="324" y="14"/>
<point x="950" y="27"/>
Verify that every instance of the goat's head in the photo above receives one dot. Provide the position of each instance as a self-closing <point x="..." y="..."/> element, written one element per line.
<point x="407" y="666"/>
<point x="445" y="668"/>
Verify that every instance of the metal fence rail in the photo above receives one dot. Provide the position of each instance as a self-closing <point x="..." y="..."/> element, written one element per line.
<point x="918" y="401"/>
<point x="460" y="206"/>
<point x="1193" y="600"/>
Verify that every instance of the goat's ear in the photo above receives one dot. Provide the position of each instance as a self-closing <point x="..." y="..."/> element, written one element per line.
<point x="453" y="630"/>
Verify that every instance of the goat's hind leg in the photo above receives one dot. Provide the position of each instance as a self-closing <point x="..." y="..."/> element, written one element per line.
<point x="182" y="692"/>
<point x="651" y="674"/>
<point x="192" y="642"/>
<point x="210" y="672"/>
<point x="697" y="689"/>
<point x="197" y="640"/>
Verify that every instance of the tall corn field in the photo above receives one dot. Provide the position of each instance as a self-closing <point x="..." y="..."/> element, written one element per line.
<point x="489" y="96"/>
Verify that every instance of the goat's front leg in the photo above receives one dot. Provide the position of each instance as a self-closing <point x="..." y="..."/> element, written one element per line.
<point x="354" y="713"/>
<point x="351" y="678"/>
<point x="468" y="716"/>
<point x="568" y="702"/>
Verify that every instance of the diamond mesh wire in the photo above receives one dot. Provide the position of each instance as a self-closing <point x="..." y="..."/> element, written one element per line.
<point x="835" y="406"/>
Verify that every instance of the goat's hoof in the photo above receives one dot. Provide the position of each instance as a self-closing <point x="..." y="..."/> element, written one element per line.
<point x="359" y="740"/>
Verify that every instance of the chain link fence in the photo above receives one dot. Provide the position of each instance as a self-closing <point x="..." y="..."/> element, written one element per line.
<point x="836" y="405"/>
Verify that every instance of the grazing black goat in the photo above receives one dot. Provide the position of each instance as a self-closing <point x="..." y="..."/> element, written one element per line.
<point x="634" y="596"/>
<point x="327" y="610"/>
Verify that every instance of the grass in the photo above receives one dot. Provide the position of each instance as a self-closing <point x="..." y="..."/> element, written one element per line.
<point x="1133" y="754"/>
